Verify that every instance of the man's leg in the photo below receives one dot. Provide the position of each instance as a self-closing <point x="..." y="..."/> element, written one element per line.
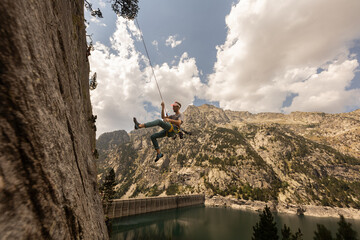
<point x="154" y="137"/>
<point x="164" y="125"/>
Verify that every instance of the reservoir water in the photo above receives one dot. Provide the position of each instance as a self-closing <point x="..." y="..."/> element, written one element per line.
<point x="212" y="224"/>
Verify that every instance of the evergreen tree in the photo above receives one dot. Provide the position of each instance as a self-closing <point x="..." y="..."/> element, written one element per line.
<point x="322" y="233"/>
<point x="287" y="235"/>
<point x="345" y="231"/>
<point x="109" y="186"/>
<point x="297" y="236"/>
<point x="108" y="193"/>
<point x="266" y="228"/>
<point x="124" y="8"/>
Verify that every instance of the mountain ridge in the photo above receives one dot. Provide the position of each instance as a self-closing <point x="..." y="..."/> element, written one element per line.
<point x="296" y="158"/>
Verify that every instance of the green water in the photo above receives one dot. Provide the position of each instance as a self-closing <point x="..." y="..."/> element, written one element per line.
<point x="211" y="223"/>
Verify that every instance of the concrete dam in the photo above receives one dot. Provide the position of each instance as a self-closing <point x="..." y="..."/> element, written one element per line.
<point x="128" y="207"/>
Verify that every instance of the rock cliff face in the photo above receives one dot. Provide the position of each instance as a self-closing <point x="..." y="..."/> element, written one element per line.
<point x="111" y="140"/>
<point x="299" y="158"/>
<point x="48" y="187"/>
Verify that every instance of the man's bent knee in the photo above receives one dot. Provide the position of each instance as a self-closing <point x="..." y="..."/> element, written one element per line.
<point x="158" y="122"/>
<point x="154" y="123"/>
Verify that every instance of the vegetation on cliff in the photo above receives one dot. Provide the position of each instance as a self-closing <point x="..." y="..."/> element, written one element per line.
<point x="258" y="159"/>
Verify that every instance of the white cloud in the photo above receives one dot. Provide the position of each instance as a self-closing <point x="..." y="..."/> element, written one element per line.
<point x="156" y="44"/>
<point x="97" y="21"/>
<point x="102" y="3"/>
<point x="326" y="91"/>
<point x="122" y="89"/>
<point x="274" y="49"/>
<point x="171" y="41"/>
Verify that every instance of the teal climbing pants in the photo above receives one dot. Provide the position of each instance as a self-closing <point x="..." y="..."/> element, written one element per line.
<point x="165" y="126"/>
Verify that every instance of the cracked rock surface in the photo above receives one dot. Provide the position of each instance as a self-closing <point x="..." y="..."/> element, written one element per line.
<point x="48" y="187"/>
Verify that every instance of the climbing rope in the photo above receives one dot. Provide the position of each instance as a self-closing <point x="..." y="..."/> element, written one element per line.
<point x="152" y="68"/>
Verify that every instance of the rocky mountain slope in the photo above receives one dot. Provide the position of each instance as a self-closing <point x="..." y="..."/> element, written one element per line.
<point x="299" y="158"/>
<point x="48" y="187"/>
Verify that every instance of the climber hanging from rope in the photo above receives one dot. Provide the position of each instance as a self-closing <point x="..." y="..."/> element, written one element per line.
<point x="169" y="124"/>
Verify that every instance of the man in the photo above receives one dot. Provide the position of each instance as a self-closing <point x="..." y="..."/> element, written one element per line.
<point x="170" y="126"/>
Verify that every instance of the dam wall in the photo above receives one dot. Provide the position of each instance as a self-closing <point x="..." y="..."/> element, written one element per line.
<point x="128" y="207"/>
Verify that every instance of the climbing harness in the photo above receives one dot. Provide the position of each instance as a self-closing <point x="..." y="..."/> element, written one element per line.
<point x="178" y="131"/>
<point x="181" y="133"/>
<point x="172" y="129"/>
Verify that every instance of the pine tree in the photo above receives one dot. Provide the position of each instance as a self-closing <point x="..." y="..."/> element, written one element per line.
<point x="108" y="193"/>
<point x="266" y="228"/>
<point x="322" y="233"/>
<point x="109" y="186"/>
<point x="345" y="231"/>
<point x="124" y="8"/>
<point x="107" y="190"/>
<point x="297" y="236"/>
<point x="287" y="234"/>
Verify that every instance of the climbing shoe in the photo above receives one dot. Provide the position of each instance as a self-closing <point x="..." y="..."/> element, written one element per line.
<point x="158" y="156"/>
<point x="136" y="123"/>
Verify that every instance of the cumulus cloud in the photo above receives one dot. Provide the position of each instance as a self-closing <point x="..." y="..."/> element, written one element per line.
<point x="102" y="3"/>
<point x="155" y="44"/>
<point x="122" y="91"/>
<point x="97" y="21"/>
<point x="326" y="91"/>
<point x="275" y="50"/>
<point x="171" y="41"/>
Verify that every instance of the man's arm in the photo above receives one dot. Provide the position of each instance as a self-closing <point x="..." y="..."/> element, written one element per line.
<point x="163" y="110"/>
<point x="176" y="122"/>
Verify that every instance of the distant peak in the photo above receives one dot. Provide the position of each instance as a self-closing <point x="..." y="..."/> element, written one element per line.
<point x="111" y="139"/>
<point x="206" y="105"/>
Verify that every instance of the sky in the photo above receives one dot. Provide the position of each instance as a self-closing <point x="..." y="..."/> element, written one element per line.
<point x="249" y="55"/>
